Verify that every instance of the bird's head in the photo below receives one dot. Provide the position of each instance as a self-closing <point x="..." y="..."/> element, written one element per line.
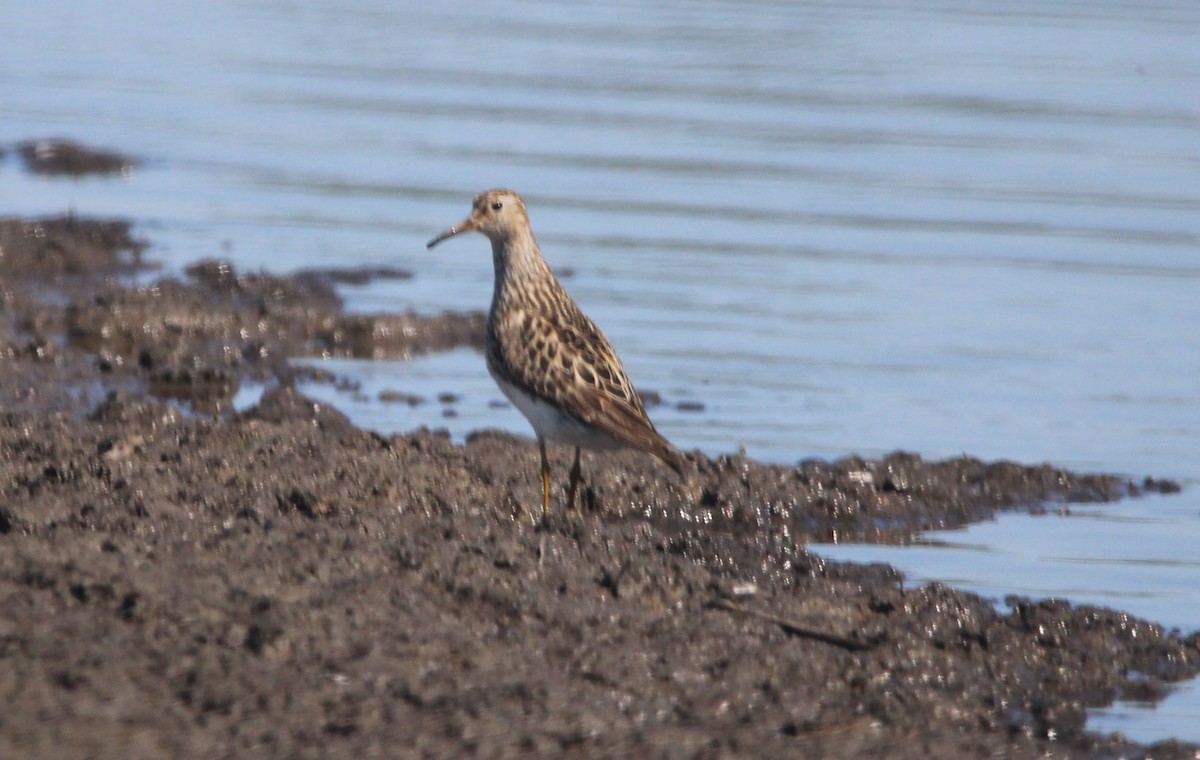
<point x="499" y="214"/>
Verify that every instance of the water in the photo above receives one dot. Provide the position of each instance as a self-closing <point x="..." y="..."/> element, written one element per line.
<point x="842" y="227"/>
<point x="1126" y="555"/>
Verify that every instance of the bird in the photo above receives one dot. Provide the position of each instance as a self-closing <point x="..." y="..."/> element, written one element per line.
<point x="549" y="359"/>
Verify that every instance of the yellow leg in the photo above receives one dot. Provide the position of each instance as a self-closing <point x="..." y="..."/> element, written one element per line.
<point x="573" y="481"/>
<point x="545" y="482"/>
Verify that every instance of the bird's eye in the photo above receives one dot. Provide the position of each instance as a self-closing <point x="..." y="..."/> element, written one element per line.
<point x="497" y="205"/>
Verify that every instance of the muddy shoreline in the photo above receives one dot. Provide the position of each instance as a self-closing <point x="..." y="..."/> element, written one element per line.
<point x="181" y="579"/>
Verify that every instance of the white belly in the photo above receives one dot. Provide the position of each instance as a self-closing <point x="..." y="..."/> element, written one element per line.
<point x="551" y="424"/>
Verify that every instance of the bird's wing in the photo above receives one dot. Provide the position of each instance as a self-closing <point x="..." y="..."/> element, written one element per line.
<point x="568" y="362"/>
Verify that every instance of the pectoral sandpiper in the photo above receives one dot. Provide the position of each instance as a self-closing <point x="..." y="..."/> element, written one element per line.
<point x="548" y="358"/>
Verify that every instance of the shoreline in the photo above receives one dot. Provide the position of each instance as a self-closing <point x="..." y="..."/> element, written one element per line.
<point x="183" y="579"/>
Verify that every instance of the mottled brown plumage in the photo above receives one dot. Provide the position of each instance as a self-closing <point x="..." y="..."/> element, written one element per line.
<point x="550" y="360"/>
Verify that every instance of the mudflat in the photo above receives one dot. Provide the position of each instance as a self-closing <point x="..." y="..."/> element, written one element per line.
<point x="179" y="578"/>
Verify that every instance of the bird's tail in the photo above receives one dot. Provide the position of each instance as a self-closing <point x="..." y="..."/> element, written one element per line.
<point x="670" y="457"/>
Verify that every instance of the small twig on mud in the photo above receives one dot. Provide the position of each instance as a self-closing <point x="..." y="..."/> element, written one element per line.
<point x="793" y="628"/>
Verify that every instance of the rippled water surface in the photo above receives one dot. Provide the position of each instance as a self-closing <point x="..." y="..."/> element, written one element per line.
<point x="839" y="227"/>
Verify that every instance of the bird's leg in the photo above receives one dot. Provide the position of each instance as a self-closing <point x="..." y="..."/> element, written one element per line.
<point x="573" y="481"/>
<point x="545" y="483"/>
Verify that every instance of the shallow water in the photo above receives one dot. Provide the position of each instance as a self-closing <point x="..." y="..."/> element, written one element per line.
<point x="1121" y="555"/>
<point x="839" y="227"/>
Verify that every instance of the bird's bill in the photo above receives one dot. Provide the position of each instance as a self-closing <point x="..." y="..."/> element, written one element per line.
<point x="466" y="225"/>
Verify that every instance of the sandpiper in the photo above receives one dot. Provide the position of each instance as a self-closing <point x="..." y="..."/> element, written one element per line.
<point x="548" y="358"/>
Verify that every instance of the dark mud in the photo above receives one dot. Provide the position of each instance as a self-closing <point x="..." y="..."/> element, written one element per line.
<point x="57" y="157"/>
<point x="178" y="579"/>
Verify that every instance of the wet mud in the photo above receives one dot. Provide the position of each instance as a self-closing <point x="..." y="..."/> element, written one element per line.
<point x="58" y="157"/>
<point x="182" y="579"/>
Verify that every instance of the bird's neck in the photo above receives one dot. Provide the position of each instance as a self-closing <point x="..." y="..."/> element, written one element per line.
<point x="518" y="262"/>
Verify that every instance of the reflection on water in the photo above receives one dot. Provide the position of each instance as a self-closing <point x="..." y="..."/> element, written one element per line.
<point x="840" y="227"/>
